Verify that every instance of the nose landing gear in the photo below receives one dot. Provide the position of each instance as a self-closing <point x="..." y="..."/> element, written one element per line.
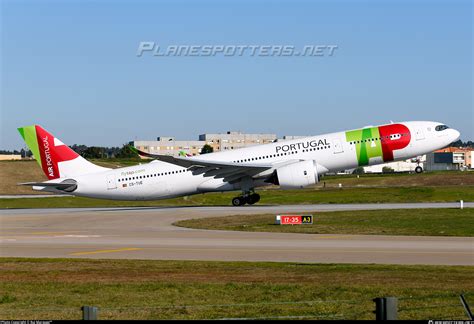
<point x="419" y="168"/>
<point x="246" y="199"/>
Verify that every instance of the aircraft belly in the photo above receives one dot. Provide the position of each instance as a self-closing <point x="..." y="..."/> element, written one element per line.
<point x="211" y="184"/>
<point x="176" y="186"/>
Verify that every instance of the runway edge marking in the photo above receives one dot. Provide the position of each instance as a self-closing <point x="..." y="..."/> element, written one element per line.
<point x="105" y="251"/>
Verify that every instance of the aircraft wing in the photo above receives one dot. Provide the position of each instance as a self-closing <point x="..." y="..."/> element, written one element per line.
<point x="227" y="170"/>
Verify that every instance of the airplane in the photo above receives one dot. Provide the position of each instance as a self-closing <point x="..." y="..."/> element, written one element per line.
<point x="290" y="164"/>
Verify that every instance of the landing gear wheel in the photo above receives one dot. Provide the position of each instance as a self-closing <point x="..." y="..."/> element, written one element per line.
<point x="418" y="169"/>
<point x="253" y="198"/>
<point x="238" y="201"/>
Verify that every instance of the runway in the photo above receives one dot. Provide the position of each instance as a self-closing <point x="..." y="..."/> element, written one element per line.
<point x="148" y="233"/>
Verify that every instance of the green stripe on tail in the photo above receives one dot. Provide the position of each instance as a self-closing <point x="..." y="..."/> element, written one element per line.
<point x="29" y="136"/>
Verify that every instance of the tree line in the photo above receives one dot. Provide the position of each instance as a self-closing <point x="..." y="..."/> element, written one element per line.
<point x="89" y="152"/>
<point x="460" y="143"/>
<point x="125" y="152"/>
<point x="99" y="152"/>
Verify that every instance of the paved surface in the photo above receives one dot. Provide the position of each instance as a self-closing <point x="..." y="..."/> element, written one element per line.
<point x="31" y="196"/>
<point x="148" y="233"/>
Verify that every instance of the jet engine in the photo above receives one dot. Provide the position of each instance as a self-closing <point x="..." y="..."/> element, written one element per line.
<point x="296" y="175"/>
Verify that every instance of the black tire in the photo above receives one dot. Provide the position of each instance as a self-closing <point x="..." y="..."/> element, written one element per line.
<point x="418" y="169"/>
<point x="257" y="196"/>
<point x="238" y="201"/>
<point x="252" y="199"/>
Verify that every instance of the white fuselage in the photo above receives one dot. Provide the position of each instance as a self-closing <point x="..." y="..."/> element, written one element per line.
<point x="330" y="153"/>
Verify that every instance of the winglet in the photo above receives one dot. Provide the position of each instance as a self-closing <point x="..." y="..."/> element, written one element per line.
<point x="141" y="153"/>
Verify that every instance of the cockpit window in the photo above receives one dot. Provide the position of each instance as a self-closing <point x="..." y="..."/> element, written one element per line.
<point x="441" y="128"/>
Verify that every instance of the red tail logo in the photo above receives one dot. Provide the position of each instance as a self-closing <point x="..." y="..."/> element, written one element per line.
<point x="51" y="154"/>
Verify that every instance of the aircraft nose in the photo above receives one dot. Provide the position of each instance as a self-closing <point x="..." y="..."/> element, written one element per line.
<point x="455" y="134"/>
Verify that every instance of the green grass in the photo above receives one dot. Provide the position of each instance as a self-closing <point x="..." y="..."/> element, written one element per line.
<point x="435" y="222"/>
<point x="14" y="172"/>
<point x="426" y="179"/>
<point x="271" y="197"/>
<point x="138" y="289"/>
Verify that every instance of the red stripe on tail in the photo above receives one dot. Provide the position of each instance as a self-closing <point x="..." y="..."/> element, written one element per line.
<point x="51" y="155"/>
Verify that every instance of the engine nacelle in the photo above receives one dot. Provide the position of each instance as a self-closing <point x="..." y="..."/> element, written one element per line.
<point x="296" y="175"/>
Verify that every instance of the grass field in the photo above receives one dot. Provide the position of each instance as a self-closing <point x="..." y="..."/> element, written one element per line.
<point x="14" y="172"/>
<point x="370" y="188"/>
<point x="435" y="222"/>
<point x="135" y="289"/>
<point x="271" y="197"/>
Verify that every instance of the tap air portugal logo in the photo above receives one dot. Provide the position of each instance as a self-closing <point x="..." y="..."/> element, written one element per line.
<point x="301" y="145"/>
<point x="378" y="142"/>
<point x="184" y="154"/>
<point x="46" y="149"/>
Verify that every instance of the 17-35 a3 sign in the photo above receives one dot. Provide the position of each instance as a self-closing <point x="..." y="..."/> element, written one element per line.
<point x="294" y="219"/>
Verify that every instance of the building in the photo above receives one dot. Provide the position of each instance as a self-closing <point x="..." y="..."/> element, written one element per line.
<point x="235" y="140"/>
<point x="450" y="158"/>
<point x="219" y="142"/>
<point x="169" y="146"/>
<point x="291" y="137"/>
<point x="8" y="157"/>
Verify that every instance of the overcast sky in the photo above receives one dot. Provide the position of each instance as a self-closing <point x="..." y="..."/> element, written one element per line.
<point x="71" y="66"/>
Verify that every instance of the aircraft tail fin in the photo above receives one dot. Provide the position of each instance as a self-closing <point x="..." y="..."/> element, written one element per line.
<point x="55" y="158"/>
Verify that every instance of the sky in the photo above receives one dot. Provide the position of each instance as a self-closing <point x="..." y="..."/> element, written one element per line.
<point x="72" y="67"/>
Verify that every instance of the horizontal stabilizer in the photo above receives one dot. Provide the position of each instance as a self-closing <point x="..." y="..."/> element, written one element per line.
<point x="68" y="185"/>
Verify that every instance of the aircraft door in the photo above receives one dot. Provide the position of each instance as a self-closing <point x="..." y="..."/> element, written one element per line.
<point x="111" y="183"/>
<point x="337" y="146"/>
<point x="419" y="134"/>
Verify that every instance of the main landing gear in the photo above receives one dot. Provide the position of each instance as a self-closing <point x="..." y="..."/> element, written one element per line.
<point x="418" y="169"/>
<point x="246" y="199"/>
